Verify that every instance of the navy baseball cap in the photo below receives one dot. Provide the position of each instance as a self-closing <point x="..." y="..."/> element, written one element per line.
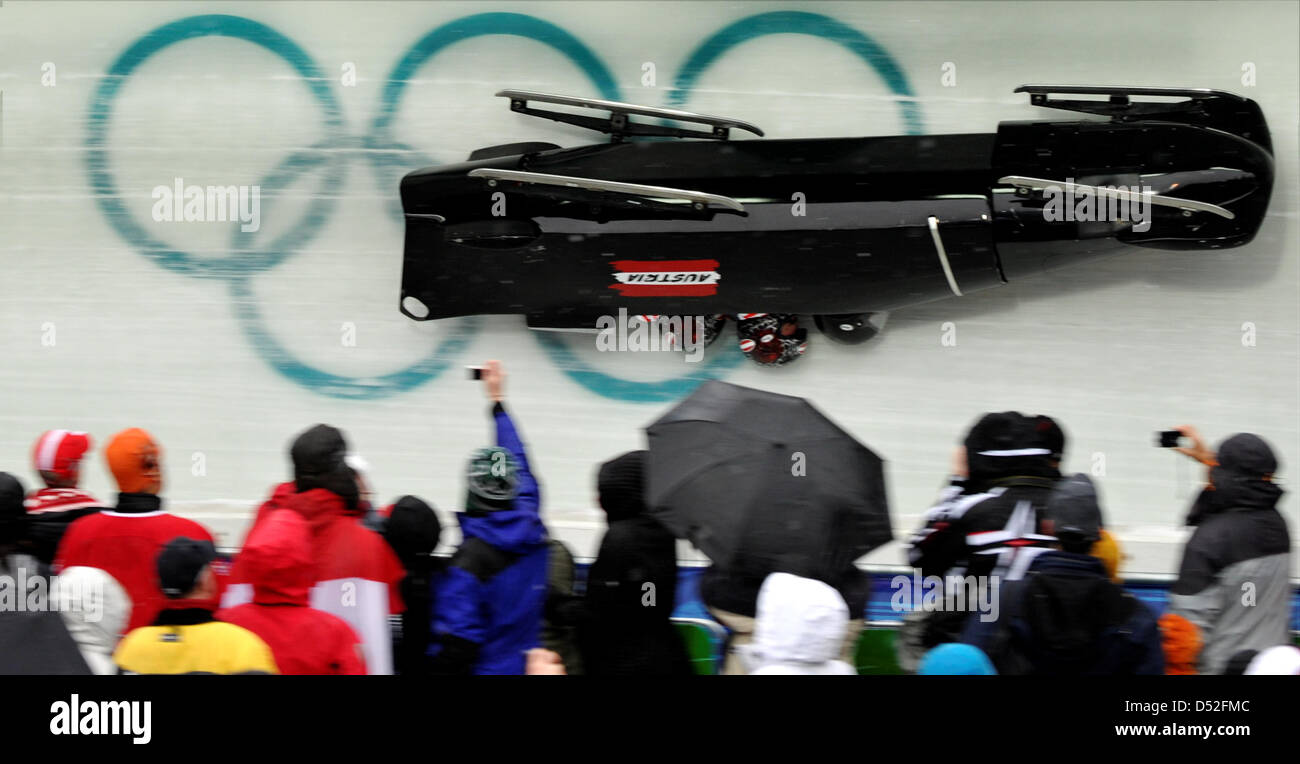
<point x="180" y="562"/>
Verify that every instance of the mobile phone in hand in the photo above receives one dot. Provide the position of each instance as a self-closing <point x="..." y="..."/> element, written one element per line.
<point x="475" y="373"/>
<point x="1169" y="438"/>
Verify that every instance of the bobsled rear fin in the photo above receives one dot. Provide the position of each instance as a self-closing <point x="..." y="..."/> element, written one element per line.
<point x="1204" y="107"/>
<point x="618" y="125"/>
<point x="1118" y="94"/>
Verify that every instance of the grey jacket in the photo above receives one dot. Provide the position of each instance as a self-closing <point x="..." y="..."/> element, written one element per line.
<point x="1234" y="581"/>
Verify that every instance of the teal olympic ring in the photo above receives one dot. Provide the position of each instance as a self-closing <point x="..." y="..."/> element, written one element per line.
<point x="388" y="158"/>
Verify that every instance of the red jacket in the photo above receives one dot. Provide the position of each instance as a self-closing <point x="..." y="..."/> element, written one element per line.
<point x="124" y="542"/>
<point x="355" y="575"/>
<point x="279" y="499"/>
<point x="277" y="560"/>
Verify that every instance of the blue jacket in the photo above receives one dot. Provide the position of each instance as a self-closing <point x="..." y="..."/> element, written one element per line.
<point x="488" y="610"/>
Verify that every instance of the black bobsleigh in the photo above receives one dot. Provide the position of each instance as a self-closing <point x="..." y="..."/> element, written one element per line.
<point x="837" y="228"/>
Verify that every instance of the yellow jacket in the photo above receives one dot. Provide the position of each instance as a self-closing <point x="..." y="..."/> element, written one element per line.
<point x="190" y="642"/>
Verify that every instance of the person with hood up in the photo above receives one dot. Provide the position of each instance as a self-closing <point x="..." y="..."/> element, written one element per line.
<point x="412" y="529"/>
<point x="279" y="499"/>
<point x="303" y="640"/>
<point x="33" y="639"/>
<point x="125" y="541"/>
<point x="355" y="575"/>
<point x="731" y="596"/>
<point x="488" y="606"/>
<point x="1234" y="580"/>
<point x="800" y="626"/>
<point x="625" y="627"/>
<point x="1065" y="616"/>
<point x="986" y="522"/>
<point x="94" y="608"/>
<point x="57" y="459"/>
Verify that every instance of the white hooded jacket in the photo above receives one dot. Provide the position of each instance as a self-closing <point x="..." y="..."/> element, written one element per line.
<point x="95" y="609"/>
<point x="800" y="627"/>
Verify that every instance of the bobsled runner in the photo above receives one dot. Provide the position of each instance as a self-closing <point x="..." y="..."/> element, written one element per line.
<point x="837" y="228"/>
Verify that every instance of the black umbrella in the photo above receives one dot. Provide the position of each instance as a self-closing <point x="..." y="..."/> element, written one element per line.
<point x="762" y="482"/>
<point x="38" y="643"/>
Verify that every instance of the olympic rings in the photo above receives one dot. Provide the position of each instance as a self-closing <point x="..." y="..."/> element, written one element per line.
<point x="388" y="158"/>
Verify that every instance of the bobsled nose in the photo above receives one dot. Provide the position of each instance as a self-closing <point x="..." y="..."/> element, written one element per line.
<point x="1239" y="190"/>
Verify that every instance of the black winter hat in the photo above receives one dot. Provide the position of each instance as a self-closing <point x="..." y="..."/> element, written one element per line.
<point x="317" y="451"/>
<point x="318" y="462"/>
<point x="412" y="529"/>
<point x="1247" y="454"/>
<point x="621" y="485"/>
<point x="1048" y="434"/>
<point x="998" y="433"/>
<point x="1006" y="444"/>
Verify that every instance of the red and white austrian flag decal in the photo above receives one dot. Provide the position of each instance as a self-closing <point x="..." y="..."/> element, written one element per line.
<point x="666" y="278"/>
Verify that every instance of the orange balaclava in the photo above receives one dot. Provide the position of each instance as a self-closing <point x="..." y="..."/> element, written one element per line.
<point x="135" y="461"/>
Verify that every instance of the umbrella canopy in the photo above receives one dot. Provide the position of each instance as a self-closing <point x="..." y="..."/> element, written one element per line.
<point x="33" y="643"/>
<point x="763" y="483"/>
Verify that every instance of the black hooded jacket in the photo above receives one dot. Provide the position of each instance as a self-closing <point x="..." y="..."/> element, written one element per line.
<point x="412" y="529"/>
<point x="624" y="625"/>
<point x="1234" y="579"/>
